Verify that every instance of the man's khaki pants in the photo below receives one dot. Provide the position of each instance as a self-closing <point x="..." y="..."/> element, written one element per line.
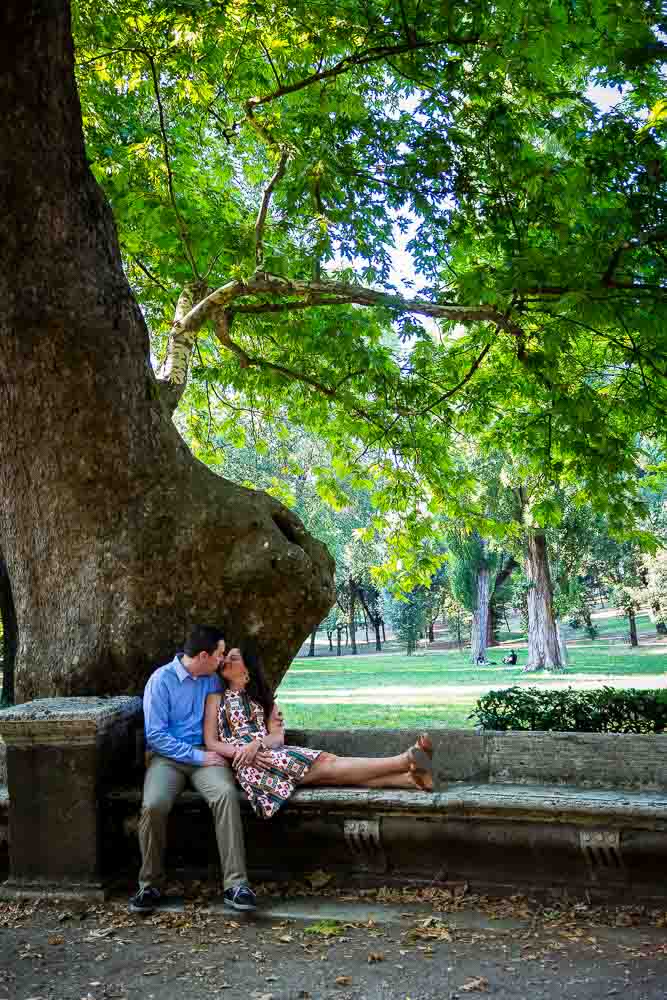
<point x="165" y="780"/>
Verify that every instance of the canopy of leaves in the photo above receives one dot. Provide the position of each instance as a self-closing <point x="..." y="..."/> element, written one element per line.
<point x="303" y="139"/>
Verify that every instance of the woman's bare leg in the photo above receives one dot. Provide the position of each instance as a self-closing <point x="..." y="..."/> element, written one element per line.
<point x="360" y="771"/>
<point x="331" y="770"/>
<point x="393" y="781"/>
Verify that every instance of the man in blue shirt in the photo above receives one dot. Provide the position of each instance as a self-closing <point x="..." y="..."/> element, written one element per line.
<point x="174" y="702"/>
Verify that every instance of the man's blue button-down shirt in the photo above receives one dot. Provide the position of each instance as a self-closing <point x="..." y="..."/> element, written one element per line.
<point x="174" y="712"/>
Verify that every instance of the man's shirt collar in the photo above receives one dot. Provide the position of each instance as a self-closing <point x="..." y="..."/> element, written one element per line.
<point x="180" y="670"/>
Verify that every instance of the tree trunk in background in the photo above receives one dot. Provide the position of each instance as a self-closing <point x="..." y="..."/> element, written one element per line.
<point x="351" y="623"/>
<point x="480" y="617"/>
<point x="330" y="638"/>
<point x="501" y="577"/>
<point x="378" y="640"/>
<point x="632" y="619"/>
<point x="561" y="645"/>
<point x="9" y="637"/>
<point x="116" y="540"/>
<point x="338" y="638"/>
<point x="543" y="646"/>
<point x="492" y="625"/>
<point x="431" y="636"/>
<point x="313" y="637"/>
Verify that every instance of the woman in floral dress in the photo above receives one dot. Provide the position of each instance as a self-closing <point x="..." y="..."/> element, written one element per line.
<point x="244" y="725"/>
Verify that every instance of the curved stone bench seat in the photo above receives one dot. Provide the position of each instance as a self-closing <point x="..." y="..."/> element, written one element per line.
<point x="555" y="804"/>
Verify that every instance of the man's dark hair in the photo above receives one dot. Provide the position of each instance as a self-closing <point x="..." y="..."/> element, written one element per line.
<point x="202" y="639"/>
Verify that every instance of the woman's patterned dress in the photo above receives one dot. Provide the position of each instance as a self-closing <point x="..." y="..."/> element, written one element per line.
<point x="240" y="720"/>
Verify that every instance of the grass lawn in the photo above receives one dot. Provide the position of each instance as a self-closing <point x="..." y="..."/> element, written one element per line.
<point x="440" y="688"/>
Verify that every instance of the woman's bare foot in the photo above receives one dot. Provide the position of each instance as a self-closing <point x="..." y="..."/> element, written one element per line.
<point x="420" y="767"/>
<point x="425" y="782"/>
<point x="424" y="743"/>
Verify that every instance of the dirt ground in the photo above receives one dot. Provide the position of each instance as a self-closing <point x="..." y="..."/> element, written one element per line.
<point x="428" y="945"/>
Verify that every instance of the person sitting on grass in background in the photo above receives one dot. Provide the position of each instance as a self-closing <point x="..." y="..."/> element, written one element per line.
<point x="510" y="658"/>
<point x="244" y="725"/>
<point x="174" y="701"/>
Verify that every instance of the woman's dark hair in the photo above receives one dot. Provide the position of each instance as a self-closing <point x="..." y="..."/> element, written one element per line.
<point x="258" y="688"/>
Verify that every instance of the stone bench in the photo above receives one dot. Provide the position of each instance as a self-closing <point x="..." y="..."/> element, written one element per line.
<point x="510" y="811"/>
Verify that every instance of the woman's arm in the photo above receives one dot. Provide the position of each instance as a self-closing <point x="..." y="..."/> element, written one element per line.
<point x="275" y="729"/>
<point x="211" y="740"/>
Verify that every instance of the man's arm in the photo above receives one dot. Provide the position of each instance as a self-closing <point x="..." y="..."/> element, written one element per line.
<point x="156" y="719"/>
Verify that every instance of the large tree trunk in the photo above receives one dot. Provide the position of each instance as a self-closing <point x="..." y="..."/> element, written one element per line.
<point x="543" y="646"/>
<point x="378" y="638"/>
<point x="9" y="637"/>
<point x="115" y="538"/>
<point x="480" y="617"/>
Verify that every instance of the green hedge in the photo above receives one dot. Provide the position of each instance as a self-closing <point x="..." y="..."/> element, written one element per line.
<point x="606" y="710"/>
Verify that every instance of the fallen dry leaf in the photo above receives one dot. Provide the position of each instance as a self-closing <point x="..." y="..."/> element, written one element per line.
<point x="56" y="939"/>
<point x="479" y="983"/>
<point x="375" y="956"/>
<point x="343" y="980"/>
<point x="319" y="878"/>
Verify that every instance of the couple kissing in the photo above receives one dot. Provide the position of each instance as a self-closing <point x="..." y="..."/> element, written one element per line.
<point x="211" y="720"/>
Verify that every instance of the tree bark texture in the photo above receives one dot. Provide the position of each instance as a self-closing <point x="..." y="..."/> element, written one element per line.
<point x="543" y="645"/>
<point x="116" y="540"/>
<point x="9" y="637"/>
<point x="480" y="616"/>
<point x="313" y="637"/>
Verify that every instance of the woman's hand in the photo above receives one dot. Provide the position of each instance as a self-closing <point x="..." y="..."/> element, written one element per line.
<point x="251" y="753"/>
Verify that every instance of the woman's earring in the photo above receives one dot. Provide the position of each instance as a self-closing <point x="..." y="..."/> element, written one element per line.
<point x="246" y="677"/>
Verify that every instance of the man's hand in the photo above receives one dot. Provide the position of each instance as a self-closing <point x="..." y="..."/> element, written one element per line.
<point x="213" y="759"/>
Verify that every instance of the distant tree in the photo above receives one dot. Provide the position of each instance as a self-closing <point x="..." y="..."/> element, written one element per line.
<point x="408" y="618"/>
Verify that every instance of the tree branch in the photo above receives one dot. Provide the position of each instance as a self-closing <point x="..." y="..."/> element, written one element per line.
<point x="466" y="378"/>
<point x="223" y="326"/>
<point x="374" y="54"/>
<point x="264" y="207"/>
<point x="339" y="293"/>
<point x="276" y="307"/>
<point x="273" y="68"/>
<point x="643" y="239"/>
<point x="170" y="175"/>
<point x="365" y="58"/>
<point x="152" y="277"/>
